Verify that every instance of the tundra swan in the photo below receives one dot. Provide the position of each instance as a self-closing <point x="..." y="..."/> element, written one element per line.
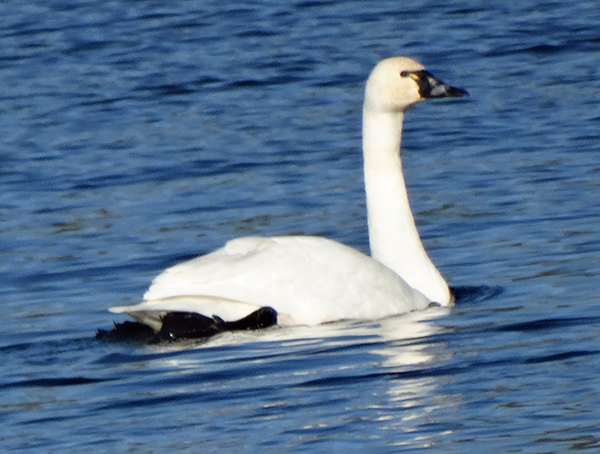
<point x="310" y="280"/>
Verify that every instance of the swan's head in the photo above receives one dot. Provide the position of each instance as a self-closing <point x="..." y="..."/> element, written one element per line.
<point x="397" y="83"/>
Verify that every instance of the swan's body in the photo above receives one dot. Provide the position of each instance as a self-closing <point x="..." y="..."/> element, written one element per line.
<point x="311" y="280"/>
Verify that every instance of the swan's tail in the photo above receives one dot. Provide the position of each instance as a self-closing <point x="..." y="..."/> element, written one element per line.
<point x="152" y="312"/>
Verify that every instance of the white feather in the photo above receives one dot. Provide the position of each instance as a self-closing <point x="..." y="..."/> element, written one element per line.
<point x="311" y="280"/>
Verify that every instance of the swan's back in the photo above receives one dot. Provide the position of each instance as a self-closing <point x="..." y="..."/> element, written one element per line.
<point x="308" y="280"/>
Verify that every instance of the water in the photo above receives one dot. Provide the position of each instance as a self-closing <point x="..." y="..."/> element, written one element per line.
<point x="139" y="134"/>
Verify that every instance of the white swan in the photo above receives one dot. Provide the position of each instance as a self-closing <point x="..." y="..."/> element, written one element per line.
<point x="312" y="280"/>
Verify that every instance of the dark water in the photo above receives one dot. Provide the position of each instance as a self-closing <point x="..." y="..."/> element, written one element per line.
<point x="138" y="134"/>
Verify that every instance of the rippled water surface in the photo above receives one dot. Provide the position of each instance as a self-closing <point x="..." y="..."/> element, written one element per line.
<point x="138" y="134"/>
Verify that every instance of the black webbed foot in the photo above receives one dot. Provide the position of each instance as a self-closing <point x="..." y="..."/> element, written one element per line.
<point x="190" y="325"/>
<point x="259" y="319"/>
<point x="127" y="331"/>
<point x="187" y="325"/>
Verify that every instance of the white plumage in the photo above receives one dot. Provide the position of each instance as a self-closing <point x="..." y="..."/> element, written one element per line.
<point x="311" y="280"/>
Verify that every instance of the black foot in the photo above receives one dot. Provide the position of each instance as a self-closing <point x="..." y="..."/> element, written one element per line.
<point x="127" y="331"/>
<point x="188" y="325"/>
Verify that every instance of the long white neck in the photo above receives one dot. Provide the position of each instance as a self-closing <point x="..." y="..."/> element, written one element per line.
<point x="393" y="235"/>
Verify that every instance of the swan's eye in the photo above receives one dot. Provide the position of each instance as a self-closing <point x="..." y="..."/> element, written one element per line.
<point x="404" y="74"/>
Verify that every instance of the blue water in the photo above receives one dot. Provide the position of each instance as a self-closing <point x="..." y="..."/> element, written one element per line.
<point x="138" y="134"/>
